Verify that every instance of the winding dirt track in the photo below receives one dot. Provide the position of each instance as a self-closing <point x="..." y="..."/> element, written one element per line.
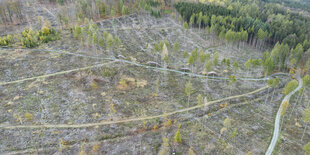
<point x="137" y="64"/>
<point x="276" y="130"/>
<point x="127" y="120"/>
<point x="54" y="74"/>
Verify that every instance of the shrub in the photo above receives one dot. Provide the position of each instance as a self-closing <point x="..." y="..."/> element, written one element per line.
<point x="30" y="38"/>
<point x="3" y="42"/>
<point x="45" y="31"/>
<point x="28" y="116"/>
<point x="290" y="87"/>
<point x="306" y="80"/>
<point x="177" y="137"/>
<point x="6" y="40"/>
<point x="155" y="13"/>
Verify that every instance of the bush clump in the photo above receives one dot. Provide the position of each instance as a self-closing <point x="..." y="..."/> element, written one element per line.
<point x="6" y="40"/>
<point x="32" y="38"/>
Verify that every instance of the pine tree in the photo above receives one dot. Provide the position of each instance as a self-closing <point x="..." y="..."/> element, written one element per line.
<point x="232" y="79"/>
<point x="234" y="133"/>
<point x="228" y="63"/>
<point x="262" y="35"/>
<point x="290" y="87"/>
<point x="248" y="64"/>
<point x="124" y="10"/>
<point x="192" y="20"/>
<point x="202" y="57"/>
<point x="102" y="9"/>
<point x="307" y="66"/>
<point x="185" y="54"/>
<point x="177" y="136"/>
<point x="176" y="47"/>
<point x="185" y="25"/>
<point x="268" y="66"/>
<point x="191" y="59"/>
<point x="200" y="99"/>
<point x="236" y="66"/>
<point x="298" y="51"/>
<point x="227" y="123"/>
<point x="199" y="19"/>
<point x="188" y="91"/>
<point x="215" y="59"/>
<point x="208" y="66"/>
<point x="306" y="81"/>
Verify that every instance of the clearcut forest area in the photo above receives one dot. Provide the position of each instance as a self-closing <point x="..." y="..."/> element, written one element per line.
<point x="159" y="77"/>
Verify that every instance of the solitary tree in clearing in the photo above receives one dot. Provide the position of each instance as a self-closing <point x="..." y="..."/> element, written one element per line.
<point x="232" y="80"/>
<point x="176" y="47"/>
<point x="216" y="59"/>
<point x="188" y="91"/>
<point x="248" y="65"/>
<point x="236" y="66"/>
<point x="177" y="137"/>
<point x="200" y="99"/>
<point x="202" y="57"/>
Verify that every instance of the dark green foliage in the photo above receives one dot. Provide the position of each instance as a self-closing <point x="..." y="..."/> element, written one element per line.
<point x="302" y="4"/>
<point x="248" y="22"/>
<point x="61" y="2"/>
<point x="155" y="13"/>
<point x="153" y="3"/>
<point x="282" y="26"/>
<point x="188" y="9"/>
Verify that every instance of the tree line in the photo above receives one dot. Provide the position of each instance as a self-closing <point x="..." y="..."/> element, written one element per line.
<point x="263" y="22"/>
<point x="286" y="31"/>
